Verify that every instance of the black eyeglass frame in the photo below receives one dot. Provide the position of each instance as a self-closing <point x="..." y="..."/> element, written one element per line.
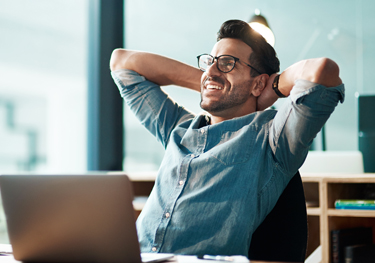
<point x="217" y="64"/>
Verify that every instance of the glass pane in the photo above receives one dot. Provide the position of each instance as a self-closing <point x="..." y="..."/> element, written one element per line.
<point x="341" y="31"/>
<point x="42" y="87"/>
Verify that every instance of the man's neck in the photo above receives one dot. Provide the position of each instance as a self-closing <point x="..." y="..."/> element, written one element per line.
<point x="217" y="118"/>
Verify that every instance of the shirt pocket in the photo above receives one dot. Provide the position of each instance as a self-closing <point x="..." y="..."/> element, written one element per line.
<point x="235" y="147"/>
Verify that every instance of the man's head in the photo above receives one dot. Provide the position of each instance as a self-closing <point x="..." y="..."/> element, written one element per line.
<point x="263" y="57"/>
<point x="229" y="87"/>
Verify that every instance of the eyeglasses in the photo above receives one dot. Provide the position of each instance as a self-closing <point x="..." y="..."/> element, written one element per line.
<point x="225" y="63"/>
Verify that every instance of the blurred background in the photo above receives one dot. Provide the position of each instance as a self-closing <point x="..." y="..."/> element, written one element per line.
<point x="47" y="70"/>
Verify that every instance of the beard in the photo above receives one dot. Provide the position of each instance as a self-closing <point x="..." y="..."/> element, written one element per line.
<point x="238" y="95"/>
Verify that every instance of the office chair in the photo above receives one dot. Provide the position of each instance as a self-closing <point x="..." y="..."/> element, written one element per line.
<point x="282" y="236"/>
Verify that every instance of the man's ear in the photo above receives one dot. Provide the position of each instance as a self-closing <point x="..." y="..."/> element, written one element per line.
<point x="260" y="84"/>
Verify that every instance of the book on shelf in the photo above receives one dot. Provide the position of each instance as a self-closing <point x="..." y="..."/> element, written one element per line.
<point x="342" y="238"/>
<point x="355" y="204"/>
<point x="360" y="253"/>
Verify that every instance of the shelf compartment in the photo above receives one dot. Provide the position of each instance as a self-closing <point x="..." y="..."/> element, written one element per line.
<point x="313" y="233"/>
<point x="342" y="222"/>
<point x="311" y="190"/>
<point x="338" y="191"/>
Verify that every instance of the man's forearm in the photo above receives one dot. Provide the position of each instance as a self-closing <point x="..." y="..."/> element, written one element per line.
<point x="321" y="71"/>
<point x="156" y="68"/>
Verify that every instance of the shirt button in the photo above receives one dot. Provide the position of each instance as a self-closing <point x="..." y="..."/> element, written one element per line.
<point x="202" y="131"/>
<point x="167" y="215"/>
<point x="153" y="249"/>
<point x="193" y="155"/>
<point x="181" y="182"/>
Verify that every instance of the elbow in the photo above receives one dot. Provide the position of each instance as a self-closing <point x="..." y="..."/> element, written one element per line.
<point x="327" y="73"/>
<point x="119" y="59"/>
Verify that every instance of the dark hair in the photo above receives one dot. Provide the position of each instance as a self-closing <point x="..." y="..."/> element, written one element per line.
<point x="264" y="57"/>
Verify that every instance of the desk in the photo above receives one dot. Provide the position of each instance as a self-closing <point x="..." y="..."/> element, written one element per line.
<point x="177" y="259"/>
<point x="193" y="259"/>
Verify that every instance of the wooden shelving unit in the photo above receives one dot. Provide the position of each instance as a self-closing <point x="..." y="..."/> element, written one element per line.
<point x="322" y="190"/>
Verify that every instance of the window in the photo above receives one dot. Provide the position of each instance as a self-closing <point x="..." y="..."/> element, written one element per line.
<point x="42" y="87"/>
<point x="315" y="29"/>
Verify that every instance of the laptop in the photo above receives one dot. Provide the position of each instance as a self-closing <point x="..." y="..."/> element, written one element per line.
<point x="72" y="218"/>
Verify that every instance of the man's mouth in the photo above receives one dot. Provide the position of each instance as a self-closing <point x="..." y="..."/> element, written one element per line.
<point x="213" y="84"/>
<point x="214" y="87"/>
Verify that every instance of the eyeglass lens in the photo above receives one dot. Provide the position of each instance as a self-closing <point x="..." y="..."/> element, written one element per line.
<point x="224" y="63"/>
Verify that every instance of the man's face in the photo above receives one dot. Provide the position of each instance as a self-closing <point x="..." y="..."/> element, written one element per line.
<point x="228" y="94"/>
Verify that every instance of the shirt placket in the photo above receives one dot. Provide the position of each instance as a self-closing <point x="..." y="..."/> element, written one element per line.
<point x="183" y="174"/>
<point x="202" y="139"/>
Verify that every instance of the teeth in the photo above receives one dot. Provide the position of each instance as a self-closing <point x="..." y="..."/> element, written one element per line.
<point x="213" y="87"/>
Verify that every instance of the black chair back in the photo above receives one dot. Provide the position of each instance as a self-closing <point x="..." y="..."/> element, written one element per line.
<point x="282" y="236"/>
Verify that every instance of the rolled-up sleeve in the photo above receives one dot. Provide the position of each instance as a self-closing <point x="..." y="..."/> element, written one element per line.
<point x="151" y="105"/>
<point x="299" y="120"/>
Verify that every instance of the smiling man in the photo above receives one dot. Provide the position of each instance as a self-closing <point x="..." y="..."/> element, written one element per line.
<point x="223" y="171"/>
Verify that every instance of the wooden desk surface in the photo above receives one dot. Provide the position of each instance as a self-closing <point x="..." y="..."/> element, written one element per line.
<point x="177" y="259"/>
<point x="239" y="259"/>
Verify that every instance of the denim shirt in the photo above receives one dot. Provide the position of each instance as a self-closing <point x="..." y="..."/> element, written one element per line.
<point x="218" y="182"/>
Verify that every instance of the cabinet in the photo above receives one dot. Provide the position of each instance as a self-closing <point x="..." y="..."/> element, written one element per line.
<point x="321" y="191"/>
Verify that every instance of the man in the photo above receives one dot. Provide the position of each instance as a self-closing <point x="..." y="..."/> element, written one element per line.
<point x="223" y="172"/>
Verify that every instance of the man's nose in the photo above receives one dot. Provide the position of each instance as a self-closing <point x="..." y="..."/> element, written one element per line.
<point x="213" y="70"/>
